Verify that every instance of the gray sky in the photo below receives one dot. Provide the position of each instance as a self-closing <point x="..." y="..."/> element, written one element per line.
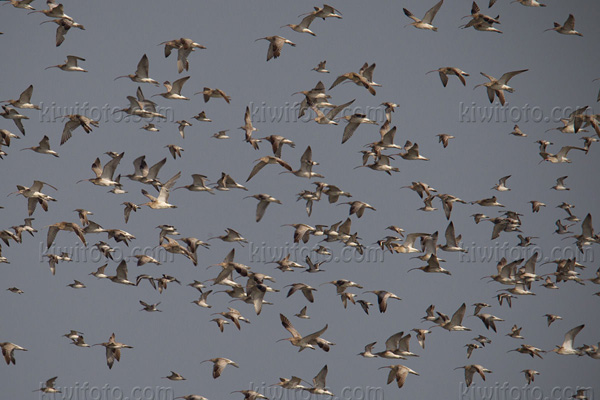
<point x="561" y="69"/>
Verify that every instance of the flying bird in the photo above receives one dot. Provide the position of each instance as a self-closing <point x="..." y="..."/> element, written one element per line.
<point x="161" y="201"/>
<point x="566" y="348"/>
<point x="263" y="202"/>
<point x="398" y="373"/>
<point x="219" y="364"/>
<point x="308" y="341"/>
<point x="275" y="45"/>
<point x="70" y="65"/>
<point x="64" y="25"/>
<point x="8" y="351"/>
<point x="141" y="73"/>
<point x="304" y="25"/>
<point x="427" y="21"/>
<point x="319" y="384"/>
<point x="496" y="87"/>
<point x="74" y="122"/>
<point x="43" y="147"/>
<point x="445" y="71"/>
<point x="209" y="93"/>
<point x="24" y="100"/>
<point x="568" y="28"/>
<point x="174" y="90"/>
<point x="184" y="47"/>
<point x="470" y="371"/>
<point x="113" y="350"/>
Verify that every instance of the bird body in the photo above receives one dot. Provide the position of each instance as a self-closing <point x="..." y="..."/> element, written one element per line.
<point x="445" y="71"/>
<point x="185" y="47"/>
<point x="113" y="350"/>
<point x="104" y="176"/>
<point x="24" y="100"/>
<point x="219" y="364"/>
<point x="8" y="350"/>
<point x="566" y="348"/>
<point x="275" y="45"/>
<point x="24" y="4"/>
<point x="75" y="121"/>
<point x="141" y="73"/>
<point x="470" y="371"/>
<point x="70" y="65"/>
<point x="497" y="87"/>
<point x="11" y="113"/>
<point x="161" y="202"/>
<point x="398" y="373"/>
<point x="427" y="21"/>
<point x="568" y="28"/>
<point x="304" y="342"/>
<point x="174" y="91"/>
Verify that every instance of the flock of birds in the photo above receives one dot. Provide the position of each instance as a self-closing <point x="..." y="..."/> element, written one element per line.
<point x="514" y="277"/>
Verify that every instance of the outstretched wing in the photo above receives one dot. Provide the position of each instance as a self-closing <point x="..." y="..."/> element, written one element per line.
<point x="458" y="316"/>
<point x="508" y="76"/>
<point x="163" y="196"/>
<point x="67" y="131"/>
<point x="430" y="15"/>
<point x="142" y="67"/>
<point x="288" y="326"/>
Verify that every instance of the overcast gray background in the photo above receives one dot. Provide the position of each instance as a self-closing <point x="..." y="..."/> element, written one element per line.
<point x="561" y="69"/>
